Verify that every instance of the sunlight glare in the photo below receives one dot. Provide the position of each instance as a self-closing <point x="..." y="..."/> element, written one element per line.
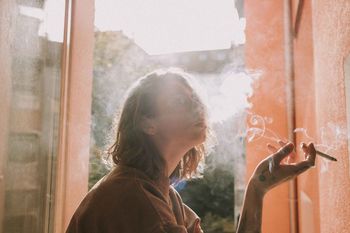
<point x="168" y="26"/>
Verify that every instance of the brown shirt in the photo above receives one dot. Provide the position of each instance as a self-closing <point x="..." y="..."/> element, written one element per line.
<point x="127" y="201"/>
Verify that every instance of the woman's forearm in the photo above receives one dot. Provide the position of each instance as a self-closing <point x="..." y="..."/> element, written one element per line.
<point x="251" y="214"/>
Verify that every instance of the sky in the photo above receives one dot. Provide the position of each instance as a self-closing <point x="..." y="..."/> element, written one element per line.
<point x="51" y="18"/>
<point x="163" y="27"/>
<point x="168" y="26"/>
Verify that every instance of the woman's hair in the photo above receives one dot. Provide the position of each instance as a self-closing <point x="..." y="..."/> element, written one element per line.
<point x="132" y="146"/>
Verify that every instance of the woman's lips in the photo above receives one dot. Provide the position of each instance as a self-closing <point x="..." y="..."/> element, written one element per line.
<point x="201" y="124"/>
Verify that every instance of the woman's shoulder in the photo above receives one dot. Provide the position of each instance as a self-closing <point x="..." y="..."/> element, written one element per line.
<point x="123" y="188"/>
<point x="126" y="180"/>
<point x="123" y="184"/>
<point x="125" y="199"/>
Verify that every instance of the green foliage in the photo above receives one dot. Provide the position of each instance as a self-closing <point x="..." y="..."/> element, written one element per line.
<point x="97" y="168"/>
<point x="215" y="224"/>
<point x="212" y="198"/>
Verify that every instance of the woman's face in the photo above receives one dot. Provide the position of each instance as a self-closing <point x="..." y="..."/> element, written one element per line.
<point x="181" y="116"/>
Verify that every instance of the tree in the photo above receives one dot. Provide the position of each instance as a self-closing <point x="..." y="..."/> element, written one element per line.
<point x="211" y="197"/>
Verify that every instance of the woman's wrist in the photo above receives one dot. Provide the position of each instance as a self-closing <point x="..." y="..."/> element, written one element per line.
<point x="255" y="188"/>
<point x="251" y="215"/>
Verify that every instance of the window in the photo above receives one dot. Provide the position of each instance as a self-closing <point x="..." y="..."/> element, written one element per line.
<point x="31" y="45"/>
<point x="204" y="38"/>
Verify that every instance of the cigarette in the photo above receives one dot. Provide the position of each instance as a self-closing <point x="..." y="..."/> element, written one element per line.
<point x="325" y="156"/>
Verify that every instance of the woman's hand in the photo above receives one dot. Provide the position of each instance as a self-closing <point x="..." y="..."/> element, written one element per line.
<point x="269" y="173"/>
<point x="272" y="171"/>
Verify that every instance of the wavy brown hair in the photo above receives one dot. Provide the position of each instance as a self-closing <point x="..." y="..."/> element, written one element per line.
<point x="132" y="146"/>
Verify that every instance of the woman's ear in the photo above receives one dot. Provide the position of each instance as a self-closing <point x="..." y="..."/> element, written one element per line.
<point x="148" y="126"/>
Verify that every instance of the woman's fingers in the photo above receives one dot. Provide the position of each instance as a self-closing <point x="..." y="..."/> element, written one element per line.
<point x="281" y="143"/>
<point x="311" y="154"/>
<point x="297" y="169"/>
<point x="271" y="148"/>
<point x="305" y="149"/>
<point x="283" y="152"/>
<point x="302" y="166"/>
<point x="275" y="172"/>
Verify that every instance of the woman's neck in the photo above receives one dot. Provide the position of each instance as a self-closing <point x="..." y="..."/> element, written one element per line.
<point x="172" y="153"/>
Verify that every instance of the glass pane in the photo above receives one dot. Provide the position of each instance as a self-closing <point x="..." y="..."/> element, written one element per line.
<point x="204" y="38"/>
<point x="32" y="56"/>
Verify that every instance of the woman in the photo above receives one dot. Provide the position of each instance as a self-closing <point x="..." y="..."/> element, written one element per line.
<point x="160" y="136"/>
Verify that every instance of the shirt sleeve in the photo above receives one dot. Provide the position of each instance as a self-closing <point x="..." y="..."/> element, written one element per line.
<point x="192" y="220"/>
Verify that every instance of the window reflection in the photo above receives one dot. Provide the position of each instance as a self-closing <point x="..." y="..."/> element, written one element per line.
<point x="32" y="58"/>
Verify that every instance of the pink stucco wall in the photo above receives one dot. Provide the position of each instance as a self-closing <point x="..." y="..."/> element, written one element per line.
<point x="331" y="36"/>
<point x="322" y="44"/>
